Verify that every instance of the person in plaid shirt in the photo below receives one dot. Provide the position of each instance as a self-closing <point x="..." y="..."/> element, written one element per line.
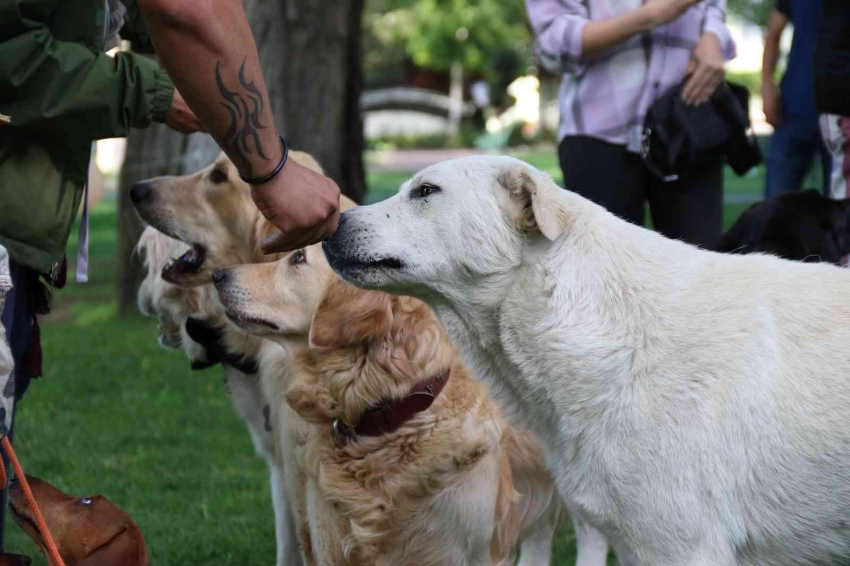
<point x="617" y="58"/>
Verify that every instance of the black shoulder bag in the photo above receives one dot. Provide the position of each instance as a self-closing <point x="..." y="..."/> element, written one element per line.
<point x="678" y="136"/>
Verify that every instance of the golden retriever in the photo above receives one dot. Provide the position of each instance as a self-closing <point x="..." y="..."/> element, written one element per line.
<point x="212" y="212"/>
<point x="446" y="475"/>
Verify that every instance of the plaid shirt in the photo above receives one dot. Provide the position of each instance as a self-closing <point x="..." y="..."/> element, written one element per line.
<point x="607" y="96"/>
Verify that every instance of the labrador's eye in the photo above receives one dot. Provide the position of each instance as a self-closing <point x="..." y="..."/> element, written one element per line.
<point x="218" y="177"/>
<point x="298" y="258"/>
<point x="424" y="191"/>
<point x="85" y="501"/>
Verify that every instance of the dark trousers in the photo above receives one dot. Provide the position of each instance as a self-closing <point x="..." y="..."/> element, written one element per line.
<point x="17" y="321"/>
<point x="791" y="154"/>
<point x="689" y="209"/>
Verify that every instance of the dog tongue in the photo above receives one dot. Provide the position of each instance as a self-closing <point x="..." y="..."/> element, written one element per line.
<point x="189" y="262"/>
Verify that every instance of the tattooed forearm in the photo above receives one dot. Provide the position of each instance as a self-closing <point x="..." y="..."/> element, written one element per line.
<point x="245" y="108"/>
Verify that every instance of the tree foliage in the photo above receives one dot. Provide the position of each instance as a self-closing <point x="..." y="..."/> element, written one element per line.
<point x="485" y="36"/>
<point x="755" y="11"/>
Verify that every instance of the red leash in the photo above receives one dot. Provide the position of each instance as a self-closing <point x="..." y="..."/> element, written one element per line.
<point x="52" y="552"/>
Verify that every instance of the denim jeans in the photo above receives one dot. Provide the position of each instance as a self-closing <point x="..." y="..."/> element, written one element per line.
<point x="17" y="321"/>
<point x="791" y="155"/>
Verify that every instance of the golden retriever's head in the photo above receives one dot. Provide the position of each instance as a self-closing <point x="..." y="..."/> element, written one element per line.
<point x="211" y="211"/>
<point x="172" y="305"/>
<point x="365" y="348"/>
<point x="276" y="300"/>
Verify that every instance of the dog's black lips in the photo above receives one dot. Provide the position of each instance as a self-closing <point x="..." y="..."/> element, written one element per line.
<point x="190" y="262"/>
<point x="338" y="260"/>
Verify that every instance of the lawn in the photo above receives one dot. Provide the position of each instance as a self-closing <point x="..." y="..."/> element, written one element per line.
<point x="117" y="415"/>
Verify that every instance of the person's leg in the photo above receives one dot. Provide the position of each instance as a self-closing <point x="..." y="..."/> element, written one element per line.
<point x="826" y="159"/>
<point x="17" y="321"/>
<point x="789" y="157"/>
<point x="606" y="174"/>
<point x="690" y="209"/>
<point x="836" y="136"/>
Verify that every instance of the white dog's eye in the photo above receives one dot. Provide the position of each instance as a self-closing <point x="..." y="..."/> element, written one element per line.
<point x="218" y="177"/>
<point x="425" y="190"/>
<point x="298" y="257"/>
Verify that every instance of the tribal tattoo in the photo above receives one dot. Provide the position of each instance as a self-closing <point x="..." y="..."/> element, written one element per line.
<point x="245" y="108"/>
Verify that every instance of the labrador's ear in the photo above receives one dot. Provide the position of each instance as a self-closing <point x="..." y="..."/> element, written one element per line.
<point x="539" y="203"/>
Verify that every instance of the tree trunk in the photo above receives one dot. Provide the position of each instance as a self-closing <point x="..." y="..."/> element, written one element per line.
<point x="322" y="82"/>
<point x="311" y="62"/>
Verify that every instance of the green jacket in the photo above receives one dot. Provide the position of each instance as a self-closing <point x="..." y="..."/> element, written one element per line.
<point x="62" y="93"/>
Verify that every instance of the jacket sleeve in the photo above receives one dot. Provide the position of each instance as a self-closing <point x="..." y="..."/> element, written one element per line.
<point x="135" y="30"/>
<point x="558" y="27"/>
<point x="66" y="88"/>
<point x="715" y="22"/>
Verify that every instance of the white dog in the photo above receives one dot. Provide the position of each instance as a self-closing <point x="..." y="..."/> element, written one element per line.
<point x="695" y="407"/>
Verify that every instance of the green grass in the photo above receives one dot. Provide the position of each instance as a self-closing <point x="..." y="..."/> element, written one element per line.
<point x="115" y="414"/>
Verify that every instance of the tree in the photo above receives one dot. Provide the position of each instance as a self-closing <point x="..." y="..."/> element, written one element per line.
<point x="311" y="61"/>
<point x="489" y="38"/>
<point x="755" y="11"/>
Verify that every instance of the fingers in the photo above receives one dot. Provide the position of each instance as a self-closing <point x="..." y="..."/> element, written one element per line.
<point x="286" y="242"/>
<point x="702" y="84"/>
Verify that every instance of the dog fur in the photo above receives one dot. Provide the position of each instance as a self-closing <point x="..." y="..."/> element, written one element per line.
<point x="692" y="405"/>
<point x="265" y="299"/>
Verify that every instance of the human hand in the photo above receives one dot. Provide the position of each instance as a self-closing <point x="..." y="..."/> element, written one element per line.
<point x="772" y="101"/>
<point x="663" y="12"/>
<point x="303" y="204"/>
<point x="705" y="69"/>
<point x="181" y="118"/>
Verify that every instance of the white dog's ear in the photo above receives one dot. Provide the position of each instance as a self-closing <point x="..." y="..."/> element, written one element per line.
<point x="539" y="201"/>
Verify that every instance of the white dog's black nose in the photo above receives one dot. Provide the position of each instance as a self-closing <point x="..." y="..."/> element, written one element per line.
<point x="140" y="191"/>
<point x="219" y="276"/>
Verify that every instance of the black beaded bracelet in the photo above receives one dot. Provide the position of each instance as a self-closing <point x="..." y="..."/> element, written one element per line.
<point x="274" y="173"/>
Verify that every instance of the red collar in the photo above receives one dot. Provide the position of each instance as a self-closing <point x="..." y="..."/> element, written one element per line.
<point x="389" y="417"/>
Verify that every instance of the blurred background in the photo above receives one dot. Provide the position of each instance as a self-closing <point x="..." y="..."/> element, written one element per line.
<point x="375" y="89"/>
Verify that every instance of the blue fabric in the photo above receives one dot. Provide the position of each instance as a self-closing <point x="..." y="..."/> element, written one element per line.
<point x="791" y="154"/>
<point x="798" y="92"/>
<point x="17" y="321"/>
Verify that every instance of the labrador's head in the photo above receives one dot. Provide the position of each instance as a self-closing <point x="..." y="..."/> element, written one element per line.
<point x="456" y="225"/>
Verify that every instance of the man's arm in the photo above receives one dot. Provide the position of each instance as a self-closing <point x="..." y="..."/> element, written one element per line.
<point x="769" y="89"/>
<point x="209" y="51"/>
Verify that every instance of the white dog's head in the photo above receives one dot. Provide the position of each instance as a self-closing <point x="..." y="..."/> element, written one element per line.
<point x="449" y="226"/>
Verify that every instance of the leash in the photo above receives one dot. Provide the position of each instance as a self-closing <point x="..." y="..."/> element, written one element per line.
<point x="52" y="552"/>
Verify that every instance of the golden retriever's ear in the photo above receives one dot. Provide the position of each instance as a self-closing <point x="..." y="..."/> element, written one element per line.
<point x="348" y="316"/>
<point x="415" y="341"/>
<point x="539" y="201"/>
<point x="306" y="394"/>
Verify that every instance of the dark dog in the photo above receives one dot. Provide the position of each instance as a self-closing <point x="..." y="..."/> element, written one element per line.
<point x="15" y="560"/>
<point x="800" y="225"/>
<point x="88" y="531"/>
